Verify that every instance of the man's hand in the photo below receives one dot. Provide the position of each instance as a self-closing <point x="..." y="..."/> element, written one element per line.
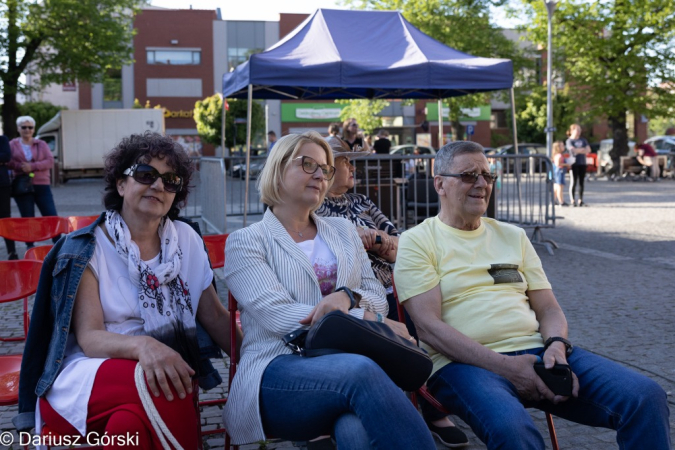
<point x="556" y="354"/>
<point x="520" y="372"/>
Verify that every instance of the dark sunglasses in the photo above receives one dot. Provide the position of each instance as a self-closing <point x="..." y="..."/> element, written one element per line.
<point x="309" y="165"/>
<point x="146" y="174"/>
<point x="472" y="177"/>
<point x="27" y="128"/>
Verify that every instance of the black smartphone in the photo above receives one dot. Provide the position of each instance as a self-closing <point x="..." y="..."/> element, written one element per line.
<point x="378" y="239"/>
<point x="558" y="378"/>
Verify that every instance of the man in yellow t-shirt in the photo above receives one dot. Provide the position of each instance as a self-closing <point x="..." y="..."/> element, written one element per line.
<point x="485" y="312"/>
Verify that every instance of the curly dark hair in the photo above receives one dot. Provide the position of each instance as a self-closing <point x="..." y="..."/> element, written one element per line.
<point x="141" y="148"/>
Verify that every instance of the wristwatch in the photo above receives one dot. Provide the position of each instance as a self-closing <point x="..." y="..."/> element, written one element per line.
<point x="568" y="345"/>
<point x="350" y="294"/>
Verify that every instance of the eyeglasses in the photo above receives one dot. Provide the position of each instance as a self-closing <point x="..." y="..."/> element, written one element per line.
<point x="472" y="177"/>
<point x="27" y="128"/>
<point x="146" y="174"/>
<point x="309" y="165"/>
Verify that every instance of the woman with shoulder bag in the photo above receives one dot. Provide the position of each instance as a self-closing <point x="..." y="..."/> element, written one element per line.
<point x="292" y="269"/>
<point x="6" y="191"/>
<point x="31" y="161"/>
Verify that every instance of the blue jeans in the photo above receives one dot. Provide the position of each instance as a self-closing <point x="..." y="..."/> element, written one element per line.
<point x="42" y="198"/>
<point x="610" y="396"/>
<point x="345" y="395"/>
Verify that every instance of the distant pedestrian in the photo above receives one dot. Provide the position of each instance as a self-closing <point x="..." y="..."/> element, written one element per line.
<point x="271" y="140"/>
<point x="6" y="191"/>
<point x="352" y="136"/>
<point x="382" y="145"/>
<point x="578" y="148"/>
<point x="560" y="168"/>
<point x="334" y="129"/>
<point x="32" y="158"/>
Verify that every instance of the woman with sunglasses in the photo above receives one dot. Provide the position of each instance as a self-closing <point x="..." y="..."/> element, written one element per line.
<point x="128" y="293"/>
<point x="352" y="136"/>
<point x="32" y="158"/>
<point x="287" y="271"/>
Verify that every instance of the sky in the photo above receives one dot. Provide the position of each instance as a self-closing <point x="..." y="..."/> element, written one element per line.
<point x="252" y="9"/>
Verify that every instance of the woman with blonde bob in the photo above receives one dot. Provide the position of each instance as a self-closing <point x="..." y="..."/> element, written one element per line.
<point x="288" y="271"/>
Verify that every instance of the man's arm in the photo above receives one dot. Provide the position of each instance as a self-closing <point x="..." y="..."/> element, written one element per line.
<point x="425" y="311"/>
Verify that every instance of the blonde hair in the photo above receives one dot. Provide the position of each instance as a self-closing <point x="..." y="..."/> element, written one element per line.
<point x="285" y="151"/>
<point x="558" y="147"/>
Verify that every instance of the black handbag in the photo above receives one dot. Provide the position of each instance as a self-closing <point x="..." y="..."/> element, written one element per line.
<point x="22" y="185"/>
<point x="406" y="364"/>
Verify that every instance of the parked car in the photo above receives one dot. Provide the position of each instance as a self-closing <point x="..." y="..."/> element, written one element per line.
<point x="523" y="149"/>
<point x="662" y="144"/>
<point x="408" y="149"/>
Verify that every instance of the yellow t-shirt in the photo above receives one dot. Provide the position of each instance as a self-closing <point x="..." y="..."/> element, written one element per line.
<point x="483" y="275"/>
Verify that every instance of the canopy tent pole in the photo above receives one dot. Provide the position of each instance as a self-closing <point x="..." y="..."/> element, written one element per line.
<point x="440" y="123"/>
<point x="518" y="165"/>
<point x="248" y="148"/>
<point x="224" y="154"/>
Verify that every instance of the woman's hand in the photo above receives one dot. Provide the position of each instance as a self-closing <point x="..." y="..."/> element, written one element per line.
<point x="337" y="301"/>
<point x="388" y="248"/>
<point x="367" y="236"/>
<point x="26" y="167"/>
<point x="162" y="365"/>
<point x="400" y="329"/>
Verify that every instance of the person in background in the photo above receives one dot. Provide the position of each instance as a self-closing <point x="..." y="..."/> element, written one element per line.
<point x="271" y="139"/>
<point x="334" y="129"/>
<point x="559" y="172"/>
<point x="288" y="271"/>
<point x="578" y="148"/>
<point x="411" y="165"/>
<point x="382" y="144"/>
<point x="647" y="156"/>
<point x="6" y="191"/>
<point x="32" y="156"/>
<point x="352" y="136"/>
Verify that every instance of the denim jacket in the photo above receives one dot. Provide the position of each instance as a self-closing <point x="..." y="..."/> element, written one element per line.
<point x="51" y="319"/>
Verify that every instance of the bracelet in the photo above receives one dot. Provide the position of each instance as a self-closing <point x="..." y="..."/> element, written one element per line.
<point x="380" y="317"/>
<point x="350" y="294"/>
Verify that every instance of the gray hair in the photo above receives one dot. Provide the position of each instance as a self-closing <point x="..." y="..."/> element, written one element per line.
<point x="23" y="119"/>
<point x="446" y="155"/>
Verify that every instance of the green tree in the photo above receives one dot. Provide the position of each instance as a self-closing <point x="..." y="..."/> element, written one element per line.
<point x="659" y="125"/>
<point x="208" y="114"/>
<point x="531" y="115"/>
<point x="464" y="25"/>
<point x="364" y="111"/>
<point x="60" y="41"/>
<point x="42" y="112"/>
<point x="619" y="56"/>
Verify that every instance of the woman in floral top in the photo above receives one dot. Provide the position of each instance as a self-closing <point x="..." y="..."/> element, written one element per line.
<point x="369" y="220"/>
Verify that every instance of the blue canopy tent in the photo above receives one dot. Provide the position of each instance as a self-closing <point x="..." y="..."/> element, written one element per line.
<point x="342" y="54"/>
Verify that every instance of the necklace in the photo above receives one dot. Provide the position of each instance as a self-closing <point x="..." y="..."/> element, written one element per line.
<point x="303" y="230"/>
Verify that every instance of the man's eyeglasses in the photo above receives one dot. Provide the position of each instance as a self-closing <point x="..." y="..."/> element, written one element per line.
<point x="309" y="165"/>
<point x="472" y="177"/>
<point x="27" y="128"/>
<point x="146" y="174"/>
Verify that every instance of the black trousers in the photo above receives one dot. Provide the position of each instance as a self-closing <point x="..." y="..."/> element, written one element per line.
<point x="578" y="176"/>
<point x="6" y="211"/>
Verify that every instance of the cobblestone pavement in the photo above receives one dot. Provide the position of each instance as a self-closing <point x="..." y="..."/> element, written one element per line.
<point x="613" y="276"/>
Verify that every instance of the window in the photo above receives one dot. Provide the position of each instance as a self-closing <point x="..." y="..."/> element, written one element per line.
<point x="498" y="119"/>
<point x="236" y="56"/>
<point x="174" y="57"/>
<point x="112" y="89"/>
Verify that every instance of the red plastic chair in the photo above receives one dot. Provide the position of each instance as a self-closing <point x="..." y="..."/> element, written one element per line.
<point x="19" y="279"/>
<point x="215" y="245"/>
<point x="77" y="222"/>
<point x="424" y="393"/>
<point x="10" y="365"/>
<point x="38" y="253"/>
<point x="33" y="229"/>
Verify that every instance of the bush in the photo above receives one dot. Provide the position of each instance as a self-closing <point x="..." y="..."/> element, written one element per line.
<point x="42" y="112"/>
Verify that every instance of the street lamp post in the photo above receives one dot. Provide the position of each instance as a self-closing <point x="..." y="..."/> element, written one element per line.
<point x="550" y="7"/>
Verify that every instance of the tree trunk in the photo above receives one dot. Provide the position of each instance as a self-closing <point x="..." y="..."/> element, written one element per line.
<point x="10" y="112"/>
<point x="620" y="146"/>
<point x="457" y="130"/>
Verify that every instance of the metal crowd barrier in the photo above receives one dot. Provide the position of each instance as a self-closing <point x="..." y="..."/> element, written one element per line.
<point x="401" y="186"/>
